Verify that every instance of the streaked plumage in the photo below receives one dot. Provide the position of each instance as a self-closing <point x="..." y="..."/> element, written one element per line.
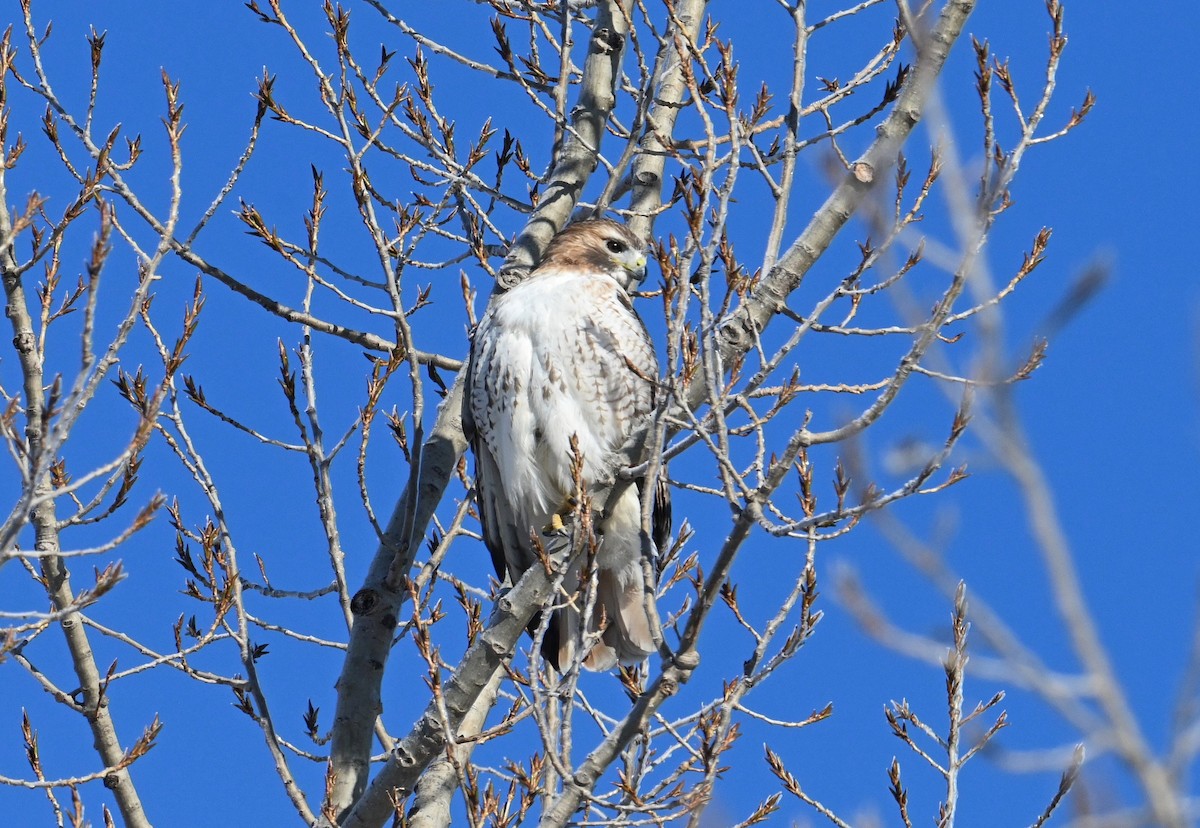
<point x="564" y="353"/>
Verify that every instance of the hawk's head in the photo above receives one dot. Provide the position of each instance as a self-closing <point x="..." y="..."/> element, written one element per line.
<point x="598" y="245"/>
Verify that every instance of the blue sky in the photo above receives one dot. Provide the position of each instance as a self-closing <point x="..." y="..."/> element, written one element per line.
<point x="1111" y="414"/>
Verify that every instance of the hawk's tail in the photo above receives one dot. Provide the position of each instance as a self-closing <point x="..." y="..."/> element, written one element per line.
<point x="624" y="612"/>
<point x="627" y="638"/>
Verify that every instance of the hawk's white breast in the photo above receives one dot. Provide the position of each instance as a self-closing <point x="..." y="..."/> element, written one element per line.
<point x="556" y="356"/>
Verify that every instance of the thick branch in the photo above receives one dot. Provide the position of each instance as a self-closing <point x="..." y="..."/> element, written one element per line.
<point x="376" y="605"/>
<point x="669" y="89"/>
<point x="739" y="333"/>
<point x="436" y="788"/>
<point x="492" y="649"/>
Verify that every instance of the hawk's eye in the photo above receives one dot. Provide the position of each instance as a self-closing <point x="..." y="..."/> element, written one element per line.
<point x="615" y="246"/>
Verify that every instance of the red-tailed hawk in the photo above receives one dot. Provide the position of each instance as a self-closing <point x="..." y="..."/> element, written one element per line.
<point x="563" y="353"/>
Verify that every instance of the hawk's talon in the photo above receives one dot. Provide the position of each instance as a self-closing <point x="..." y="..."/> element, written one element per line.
<point x="555" y="526"/>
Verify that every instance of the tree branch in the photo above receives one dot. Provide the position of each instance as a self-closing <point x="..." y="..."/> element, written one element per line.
<point x="740" y="331"/>
<point x="377" y="603"/>
<point x="46" y="537"/>
<point x="416" y="751"/>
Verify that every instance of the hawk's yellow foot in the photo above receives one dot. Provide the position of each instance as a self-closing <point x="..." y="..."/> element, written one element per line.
<point x="557" y="524"/>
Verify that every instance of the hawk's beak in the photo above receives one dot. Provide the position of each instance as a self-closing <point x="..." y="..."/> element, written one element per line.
<point x="638" y="268"/>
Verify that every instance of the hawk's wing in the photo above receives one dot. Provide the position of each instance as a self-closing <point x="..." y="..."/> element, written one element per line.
<point x="501" y="533"/>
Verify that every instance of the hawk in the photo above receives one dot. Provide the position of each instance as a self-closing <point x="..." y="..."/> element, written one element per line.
<point x="564" y="354"/>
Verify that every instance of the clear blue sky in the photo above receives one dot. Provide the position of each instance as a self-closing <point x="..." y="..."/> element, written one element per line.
<point x="1112" y="414"/>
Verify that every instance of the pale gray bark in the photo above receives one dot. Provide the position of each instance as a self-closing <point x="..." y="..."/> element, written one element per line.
<point x="378" y="601"/>
<point x="416" y="751"/>
<point x="739" y="333"/>
<point x="436" y="788"/>
<point x="92" y="703"/>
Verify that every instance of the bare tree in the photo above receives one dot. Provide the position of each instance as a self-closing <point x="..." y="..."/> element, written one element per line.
<point x="415" y="210"/>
